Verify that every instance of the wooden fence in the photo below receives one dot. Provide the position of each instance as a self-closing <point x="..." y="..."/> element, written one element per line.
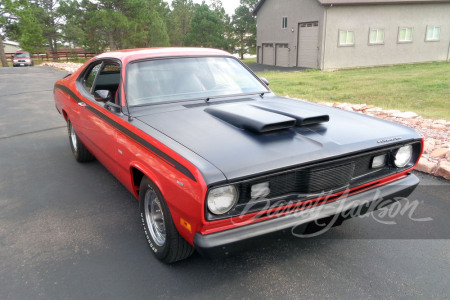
<point x="60" y="56"/>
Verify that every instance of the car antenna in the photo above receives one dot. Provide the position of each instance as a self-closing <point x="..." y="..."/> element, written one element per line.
<point x="130" y="117"/>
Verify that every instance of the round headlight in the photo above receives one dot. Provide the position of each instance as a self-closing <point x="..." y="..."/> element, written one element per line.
<point x="403" y="156"/>
<point x="221" y="200"/>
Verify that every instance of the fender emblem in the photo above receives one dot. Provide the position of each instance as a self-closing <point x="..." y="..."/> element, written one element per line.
<point x="389" y="140"/>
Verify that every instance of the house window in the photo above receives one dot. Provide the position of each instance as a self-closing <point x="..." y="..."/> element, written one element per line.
<point x="310" y="24"/>
<point x="346" y="38"/>
<point x="405" y="34"/>
<point x="433" y="33"/>
<point x="376" y="36"/>
<point x="284" y="23"/>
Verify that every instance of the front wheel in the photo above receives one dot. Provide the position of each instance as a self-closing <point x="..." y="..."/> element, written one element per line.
<point x="80" y="152"/>
<point x="162" y="235"/>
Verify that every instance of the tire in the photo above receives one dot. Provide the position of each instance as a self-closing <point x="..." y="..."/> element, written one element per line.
<point x="162" y="236"/>
<point x="80" y="152"/>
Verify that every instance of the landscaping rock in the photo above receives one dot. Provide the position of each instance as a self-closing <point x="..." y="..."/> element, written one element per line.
<point x="405" y="115"/>
<point x="359" y="107"/>
<point x="412" y="121"/>
<point x="68" y="66"/>
<point x="438" y="126"/>
<point x="429" y="145"/>
<point x="439" y="153"/>
<point x="443" y="170"/>
<point x="392" y="112"/>
<point x="426" y="166"/>
<point x="373" y="110"/>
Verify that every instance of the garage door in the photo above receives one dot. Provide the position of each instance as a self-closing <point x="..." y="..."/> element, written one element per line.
<point x="268" y="56"/>
<point x="282" y="55"/>
<point x="308" y="45"/>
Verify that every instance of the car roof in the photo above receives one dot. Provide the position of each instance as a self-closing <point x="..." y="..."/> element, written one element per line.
<point x="136" y="54"/>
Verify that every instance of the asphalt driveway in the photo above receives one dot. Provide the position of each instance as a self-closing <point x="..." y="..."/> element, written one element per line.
<point x="72" y="231"/>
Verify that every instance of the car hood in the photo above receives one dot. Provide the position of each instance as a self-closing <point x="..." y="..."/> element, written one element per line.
<point x="239" y="151"/>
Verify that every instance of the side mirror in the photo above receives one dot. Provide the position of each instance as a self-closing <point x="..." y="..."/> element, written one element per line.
<point x="266" y="82"/>
<point x="102" y="95"/>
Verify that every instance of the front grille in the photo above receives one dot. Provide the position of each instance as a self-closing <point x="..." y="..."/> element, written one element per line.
<point x="323" y="178"/>
<point x="330" y="178"/>
<point x="306" y="181"/>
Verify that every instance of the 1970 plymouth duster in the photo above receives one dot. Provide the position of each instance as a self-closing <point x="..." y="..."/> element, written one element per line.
<point x="216" y="158"/>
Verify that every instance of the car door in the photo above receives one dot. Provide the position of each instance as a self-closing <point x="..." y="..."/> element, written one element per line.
<point x="96" y="125"/>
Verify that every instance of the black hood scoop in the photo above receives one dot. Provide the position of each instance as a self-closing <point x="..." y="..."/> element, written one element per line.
<point x="251" y="118"/>
<point x="303" y="116"/>
<point x="266" y="117"/>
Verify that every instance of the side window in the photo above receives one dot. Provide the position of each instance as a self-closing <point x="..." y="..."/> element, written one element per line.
<point x="90" y="77"/>
<point x="108" y="78"/>
<point x="111" y="68"/>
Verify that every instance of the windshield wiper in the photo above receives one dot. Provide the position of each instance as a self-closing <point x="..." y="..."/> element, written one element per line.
<point x="235" y="95"/>
<point x="206" y="100"/>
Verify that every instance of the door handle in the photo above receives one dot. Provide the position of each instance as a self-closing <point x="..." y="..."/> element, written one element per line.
<point x="82" y="104"/>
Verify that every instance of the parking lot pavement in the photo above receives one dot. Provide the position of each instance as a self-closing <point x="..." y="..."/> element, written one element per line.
<point x="72" y="231"/>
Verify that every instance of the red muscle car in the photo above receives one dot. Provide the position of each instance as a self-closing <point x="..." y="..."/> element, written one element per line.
<point x="215" y="158"/>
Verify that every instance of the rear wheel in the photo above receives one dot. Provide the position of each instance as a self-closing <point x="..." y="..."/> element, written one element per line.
<point x="80" y="152"/>
<point x="160" y="231"/>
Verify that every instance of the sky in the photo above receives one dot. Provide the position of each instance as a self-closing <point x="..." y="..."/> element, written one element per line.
<point x="229" y="5"/>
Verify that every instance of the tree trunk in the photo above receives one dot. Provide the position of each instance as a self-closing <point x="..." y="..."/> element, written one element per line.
<point x="55" y="46"/>
<point x="2" y="53"/>
<point x="112" y="46"/>
<point x="52" y="49"/>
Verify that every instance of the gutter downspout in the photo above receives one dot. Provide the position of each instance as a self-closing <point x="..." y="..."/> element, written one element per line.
<point x="324" y="42"/>
<point x="448" y="51"/>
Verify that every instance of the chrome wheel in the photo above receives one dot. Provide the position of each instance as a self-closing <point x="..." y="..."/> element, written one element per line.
<point x="73" y="137"/>
<point x="155" y="217"/>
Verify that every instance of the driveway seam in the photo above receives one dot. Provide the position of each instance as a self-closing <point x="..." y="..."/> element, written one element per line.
<point x="31" y="132"/>
<point x="26" y="93"/>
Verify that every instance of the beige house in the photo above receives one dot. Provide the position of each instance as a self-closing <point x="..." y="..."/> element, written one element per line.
<point x="334" y="34"/>
<point x="10" y="47"/>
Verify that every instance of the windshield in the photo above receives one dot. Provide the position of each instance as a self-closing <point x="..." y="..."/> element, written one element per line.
<point x="176" y="79"/>
<point x="22" y="54"/>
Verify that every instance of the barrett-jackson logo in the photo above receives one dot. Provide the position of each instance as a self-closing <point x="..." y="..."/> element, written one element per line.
<point x="389" y="140"/>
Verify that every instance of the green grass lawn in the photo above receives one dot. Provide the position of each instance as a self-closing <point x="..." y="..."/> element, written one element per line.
<point x="422" y="88"/>
<point x="249" y="61"/>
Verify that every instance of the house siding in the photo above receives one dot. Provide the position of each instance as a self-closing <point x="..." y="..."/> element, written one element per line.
<point x="8" y="48"/>
<point x="269" y="21"/>
<point x="388" y="17"/>
<point x="360" y="19"/>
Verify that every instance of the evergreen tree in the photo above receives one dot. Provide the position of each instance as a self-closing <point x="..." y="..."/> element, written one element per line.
<point x="244" y="25"/>
<point x="179" y="21"/>
<point x="207" y="29"/>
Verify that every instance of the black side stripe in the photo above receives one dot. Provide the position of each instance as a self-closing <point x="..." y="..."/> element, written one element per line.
<point x="133" y="136"/>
